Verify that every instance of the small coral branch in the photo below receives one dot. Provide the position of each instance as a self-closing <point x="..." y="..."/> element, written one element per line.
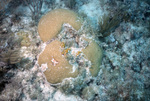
<point x="107" y="24"/>
<point x="35" y="6"/>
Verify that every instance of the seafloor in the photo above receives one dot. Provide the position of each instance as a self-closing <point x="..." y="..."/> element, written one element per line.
<point x="120" y="27"/>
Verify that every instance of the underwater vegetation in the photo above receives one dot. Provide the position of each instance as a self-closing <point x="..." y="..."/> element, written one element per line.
<point x="35" y="7"/>
<point x="108" y="24"/>
<point x="10" y="57"/>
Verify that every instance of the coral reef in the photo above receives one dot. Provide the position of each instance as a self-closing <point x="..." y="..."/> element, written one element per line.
<point x="123" y="74"/>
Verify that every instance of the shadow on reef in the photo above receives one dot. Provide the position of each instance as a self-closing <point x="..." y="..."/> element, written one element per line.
<point x="5" y="76"/>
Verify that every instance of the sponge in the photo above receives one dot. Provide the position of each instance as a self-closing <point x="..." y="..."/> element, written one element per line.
<point x="51" y="23"/>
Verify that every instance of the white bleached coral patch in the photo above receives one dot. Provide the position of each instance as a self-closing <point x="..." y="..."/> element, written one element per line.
<point x="43" y="67"/>
<point x="59" y="96"/>
<point x="93" y="10"/>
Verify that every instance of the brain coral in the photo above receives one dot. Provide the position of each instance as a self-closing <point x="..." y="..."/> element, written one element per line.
<point x="60" y="58"/>
<point x="61" y="69"/>
<point x="50" y="24"/>
<point x="94" y="54"/>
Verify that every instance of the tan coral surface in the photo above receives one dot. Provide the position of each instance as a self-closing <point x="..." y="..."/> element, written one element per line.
<point x="50" y="24"/>
<point x="93" y="53"/>
<point x="56" y="73"/>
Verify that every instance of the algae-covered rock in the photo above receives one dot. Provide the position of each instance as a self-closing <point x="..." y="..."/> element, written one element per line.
<point x="89" y="92"/>
<point x="24" y="37"/>
<point x="58" y="66"/>
<point x="51" y="23"/>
